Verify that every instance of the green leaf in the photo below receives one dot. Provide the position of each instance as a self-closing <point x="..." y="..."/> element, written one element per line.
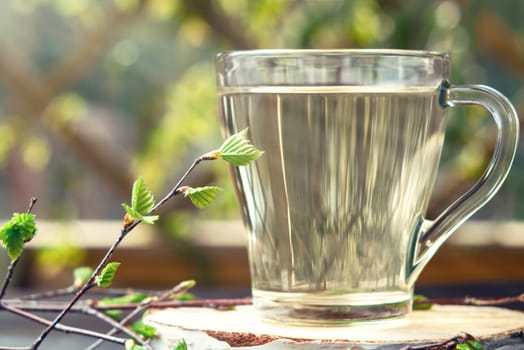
<point x="201" y="196"/>
<point x="142" y="202"/>
<point x="470" y="345"/>
<point x="131" y="212"/>
<point x="105" y="278"/>
<point x="149" y="219"/>
<point x="26" y="224"/>
<point x="475" y="345"/>
<point x="124" y="299"/>
<point x="182" y="345"/>
<point x="121" y="300"/>
<point x="114" y="314"/>
<point x="238" y="151"/>
<point x="12" y="240"/>
<point x="146" y="331"/>
<point x="141" y="198"/>
<point x="13" y="234"/>
<point x="419" y="304"/>
<point x="81" y="275"/>
<point x="184" y="296"/>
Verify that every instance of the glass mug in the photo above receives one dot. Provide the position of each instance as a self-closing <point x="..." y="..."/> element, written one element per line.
<point x="335" y="208"/>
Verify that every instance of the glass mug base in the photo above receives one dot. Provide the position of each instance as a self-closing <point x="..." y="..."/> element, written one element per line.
<point x="342" y="309"/>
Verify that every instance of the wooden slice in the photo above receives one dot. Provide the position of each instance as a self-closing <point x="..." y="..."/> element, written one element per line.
<point x="205" y="328"/>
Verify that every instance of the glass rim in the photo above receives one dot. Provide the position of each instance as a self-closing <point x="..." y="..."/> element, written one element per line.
<point x="275" y="53"/>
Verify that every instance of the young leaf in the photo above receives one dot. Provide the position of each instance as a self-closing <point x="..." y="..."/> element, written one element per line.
<point x="238" y="151"/>
<point x="13" y="234"/>
<point x="141" y="198"/>
<point x="187" y="284"/>
<point x="475" y="345"/>
<point x="132" y="215"/>
<point x="26" y="224"/>
<point x="150" y="219"/>
<point x="132" y="212"/>
<point x="466" y="346"/>
<point x="123" y="299"/>
<point x="81" y="275"/>
<point x="105" y="278"/>
<point x="146" y="331"/>
<point x="182" y="345"/>
<point x="12" y="240"/>
<point x="184" y="296"/>
<point x="114" y="314"/>
<point x="142" y="202"/>
<point x="201" y="196"/>
<point x="420" y="304"/>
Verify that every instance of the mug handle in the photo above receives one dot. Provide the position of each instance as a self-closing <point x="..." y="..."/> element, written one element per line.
<point x="433" y="233"/>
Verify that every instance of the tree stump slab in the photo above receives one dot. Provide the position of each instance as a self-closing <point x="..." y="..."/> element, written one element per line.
<point x="240" y="328"/>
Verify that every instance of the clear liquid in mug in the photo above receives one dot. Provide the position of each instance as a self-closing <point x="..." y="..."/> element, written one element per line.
<point x="335" y="201"/>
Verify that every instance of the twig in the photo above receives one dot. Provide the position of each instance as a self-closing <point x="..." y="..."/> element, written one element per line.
<point x="472" y="301"/>
<point x="62" y="328"/>
<point x="40" y="306"/>
<point x="14" y="348"/>
<point x="211" y="303"/>
<point x="49" y="294"/>
<point x="117" y="326"/>
<point x="72" y="289"/>
<point x="32" y="203"/>
<point x="124" y="291"/>
<point x="12" y="265"/>
<point x="8" y="277"/>
<point x="82" y="290"/>
<point x="102" y="275"/>
<point x="123" y="233"/>
<point x="446" y="344"/>
<point x="174" y="190"/>
<point x="179" y="288"/>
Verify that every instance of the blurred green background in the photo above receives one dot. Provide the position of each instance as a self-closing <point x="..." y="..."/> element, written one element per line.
<point x="96" y="93"/>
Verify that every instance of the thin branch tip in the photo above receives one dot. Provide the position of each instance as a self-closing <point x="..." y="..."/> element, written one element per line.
<point x="32" y="203"/>
<point x="213" y="155"/>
